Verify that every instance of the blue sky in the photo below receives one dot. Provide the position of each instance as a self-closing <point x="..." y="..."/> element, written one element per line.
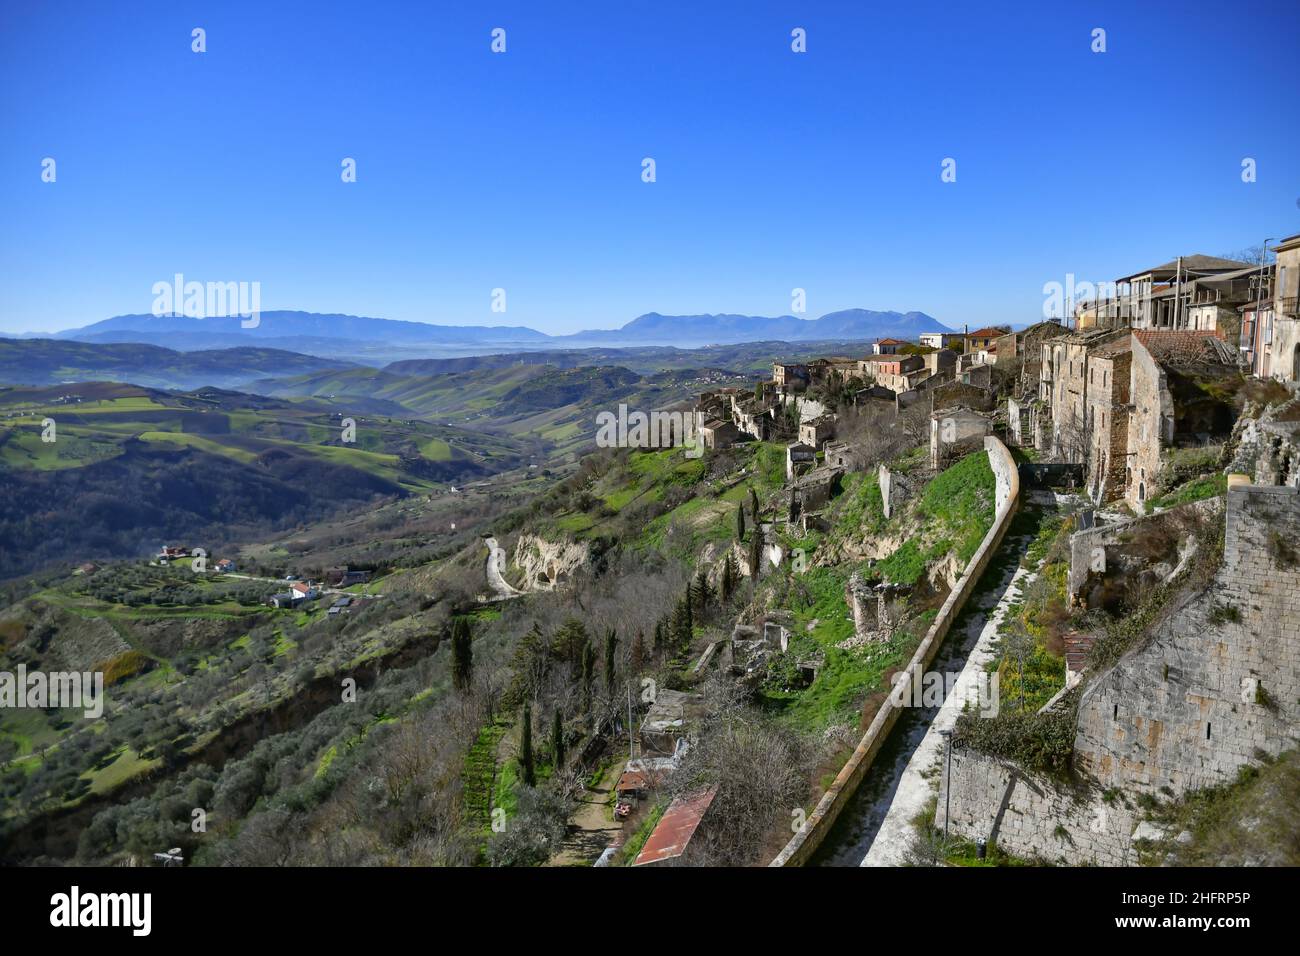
<point x="522" y="170"/>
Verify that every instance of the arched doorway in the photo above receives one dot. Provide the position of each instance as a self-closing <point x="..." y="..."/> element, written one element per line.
<point x="1142" y="491"/>
<point x="1295" y="365"/>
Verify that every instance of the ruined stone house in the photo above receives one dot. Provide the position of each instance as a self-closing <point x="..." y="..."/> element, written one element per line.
<point x="955" y="432"/>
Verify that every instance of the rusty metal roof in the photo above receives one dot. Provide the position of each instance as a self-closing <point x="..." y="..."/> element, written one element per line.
<point x="676" y="827"/>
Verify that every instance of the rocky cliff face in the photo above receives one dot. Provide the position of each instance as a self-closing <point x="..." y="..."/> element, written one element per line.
<point x="544" y="564"/>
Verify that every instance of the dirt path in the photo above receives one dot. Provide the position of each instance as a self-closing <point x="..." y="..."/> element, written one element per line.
<point x="590" y="828"/>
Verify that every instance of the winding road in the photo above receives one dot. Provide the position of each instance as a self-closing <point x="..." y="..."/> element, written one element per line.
<point x="496" y="565"/>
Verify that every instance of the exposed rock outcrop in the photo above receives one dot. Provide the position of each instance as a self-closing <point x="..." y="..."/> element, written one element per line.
<point x="544" y="564"/>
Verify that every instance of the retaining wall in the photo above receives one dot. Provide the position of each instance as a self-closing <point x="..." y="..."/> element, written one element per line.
<point x="810" y="836"/>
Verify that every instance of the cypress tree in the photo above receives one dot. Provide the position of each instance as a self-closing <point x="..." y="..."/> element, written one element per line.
<point x="728" y="578"/>
<point x="755" y="554"/>
<point x="462" y="654"/>
<point x="588" y="674"/>
<point x="659" y="637"/>
<point x="526" y="748"/>
<point x="753" y="505"/>
<point x="740" y="522"/>
<point x="610" y="640"/>
<point x="557" y="740"/>
<point x="688" y="620"/>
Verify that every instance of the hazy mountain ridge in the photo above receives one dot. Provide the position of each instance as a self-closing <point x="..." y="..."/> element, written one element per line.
<point x="337" y="333"/>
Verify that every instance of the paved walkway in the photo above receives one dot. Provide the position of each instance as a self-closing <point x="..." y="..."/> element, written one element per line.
<point x="916" y="783"/>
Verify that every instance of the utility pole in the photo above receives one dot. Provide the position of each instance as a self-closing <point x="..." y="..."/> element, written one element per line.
<point x="947" y="787"/>
<point x="631" y="754"/>
<point x="1178" y="295"/>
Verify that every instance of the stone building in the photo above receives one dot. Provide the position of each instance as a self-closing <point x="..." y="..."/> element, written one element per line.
<point x="1106" y="418"/>
<point x="985" y="337"/>
<point x="752" y="414"/>
<point x="791" y="375"/>
<point x="1026" y="349"/>
<point x="1063" y="381"/>
<point x="898" y="373"/>
<point x="817" y="431"/>
<point x="820" y="369"/>
<point x="1170" y="406"/>
<point x="940" y="362"/>
<point x="815" y="489"/>
<point x="716" y="434"/>
<point x="955" y="432"/>
<point x="799" y="458"/>
<point x="1285" y="344"/>
<point x="843" y="455"/>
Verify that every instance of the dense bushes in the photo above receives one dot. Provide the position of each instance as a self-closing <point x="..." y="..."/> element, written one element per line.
<point x="1043" y="742"/>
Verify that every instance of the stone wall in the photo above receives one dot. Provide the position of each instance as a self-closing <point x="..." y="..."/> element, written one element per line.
<point x="810" y="836"/>
<point x="959" y="393"/>
<point x="1108" y="397"/>
<point x="1151" y="424"/>
<point x="1153" y="545"/>
<point x="1032" y="816"/>
<point x="1216" y="683"/>
<point x="1219" y="678"/>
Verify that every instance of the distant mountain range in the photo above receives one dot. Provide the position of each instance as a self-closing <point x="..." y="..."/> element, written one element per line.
<point x="379" y="340"/>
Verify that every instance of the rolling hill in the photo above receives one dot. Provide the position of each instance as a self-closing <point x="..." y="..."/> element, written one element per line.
<point x="51" y="362"/>
<point x="130" y="467"/>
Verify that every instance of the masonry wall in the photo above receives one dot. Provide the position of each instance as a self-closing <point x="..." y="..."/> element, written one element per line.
<point x="1149" y="426"/>
<point x="1219" y="678"/>
<point x="1183" y="710"/>
<point x="1032" y="816"/>
<point x="1108" y="382"/>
